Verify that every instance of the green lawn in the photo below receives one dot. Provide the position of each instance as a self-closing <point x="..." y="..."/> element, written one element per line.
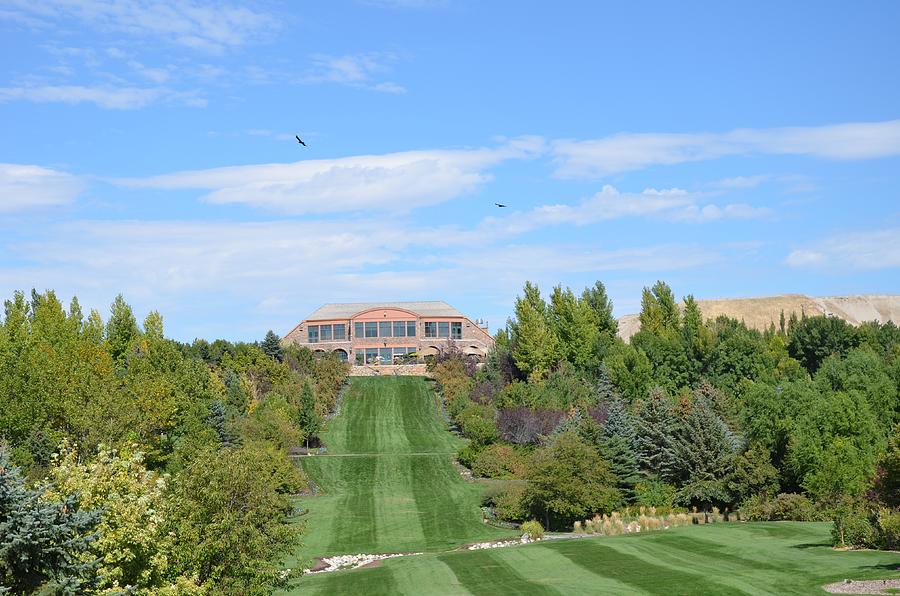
<point x="735" y="558"/>
<point x="388" y="483"/>
<point x="389" y="486"/>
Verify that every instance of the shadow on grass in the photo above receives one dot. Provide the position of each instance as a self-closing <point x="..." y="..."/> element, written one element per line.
<point x="812" y="545"/>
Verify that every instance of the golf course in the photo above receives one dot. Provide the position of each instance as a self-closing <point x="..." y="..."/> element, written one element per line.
<point x="388" y="485"/>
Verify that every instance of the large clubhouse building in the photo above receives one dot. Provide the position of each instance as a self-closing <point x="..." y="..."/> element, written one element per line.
<point x="387" y="332"/>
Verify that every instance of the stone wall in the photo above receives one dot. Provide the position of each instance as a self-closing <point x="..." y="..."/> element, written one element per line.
<point x="406" y="370"/>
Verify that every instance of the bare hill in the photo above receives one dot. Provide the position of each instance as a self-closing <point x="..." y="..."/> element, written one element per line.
<point x="759" y="313"/>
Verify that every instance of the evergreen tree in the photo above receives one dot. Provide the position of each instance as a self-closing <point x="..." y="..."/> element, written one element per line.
<point x="271" y="345"/>
<point x="618" y="447"/>
<point x="606" y="391"/>
<point x="218" y="419"/>
<point x="705" y="445"/>
<point x="309" y="420"/>
<point x="236" y="397"/>
<point x="655" y="437"/>
<point x="42" y="543"/>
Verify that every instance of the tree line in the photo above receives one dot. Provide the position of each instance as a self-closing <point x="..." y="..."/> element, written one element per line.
<point x="795" y="422"/>
<point x="132" y="463"/>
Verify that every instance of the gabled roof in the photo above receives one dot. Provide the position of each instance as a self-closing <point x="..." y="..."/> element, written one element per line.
<point x="433" y="308"/>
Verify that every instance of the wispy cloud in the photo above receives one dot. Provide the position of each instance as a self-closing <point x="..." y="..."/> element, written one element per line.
<point x="105" y="96"/>
<point x="868" y="250"/>
<point x="626" y="152"/>
<point x="28" y="186"/>
<point x="673" y="204"/>
<point x="354" y="70"/>
<point x="206" y="26"/>
<point x="390" y="182"/>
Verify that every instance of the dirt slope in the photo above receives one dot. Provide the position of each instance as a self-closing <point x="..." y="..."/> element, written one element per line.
<point x="760" y="312"/>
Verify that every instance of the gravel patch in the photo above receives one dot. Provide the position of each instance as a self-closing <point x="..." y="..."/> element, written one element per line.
<point x="871" y="586"/>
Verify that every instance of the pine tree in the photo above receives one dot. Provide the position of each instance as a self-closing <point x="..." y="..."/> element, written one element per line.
<point x="236" y="397"/>
<point x="218" y="419"/>
<point x="271" y="345"/>
<point x="655" y="440"/>
<point x="606" y="391"/>
<point x="42" y="542"/>
<point x="309" y="420"/>
<point x="618" y="447"/>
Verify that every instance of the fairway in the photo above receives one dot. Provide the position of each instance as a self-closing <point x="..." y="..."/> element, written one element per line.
<point x="755" y="558"/>
<point x="387" y="483"/>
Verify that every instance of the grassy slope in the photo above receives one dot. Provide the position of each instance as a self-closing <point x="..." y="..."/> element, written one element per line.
<point x="387" y="483"/>
<point x="396" y="491"/>
<point x="762" y="558"/>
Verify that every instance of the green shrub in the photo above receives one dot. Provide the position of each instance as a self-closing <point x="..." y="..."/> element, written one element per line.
<point x="498" y="461"/>
<point x="509" y="505"/>
<point x="784" y="507"/>
<point x="853" y="528"/>
<point x="654" y="493"/>
<point x="468" y="454"/>
<point x="889" y="528"/>
<point x="533" y="529"/>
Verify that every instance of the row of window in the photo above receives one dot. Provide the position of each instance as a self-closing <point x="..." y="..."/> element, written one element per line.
<point x="385" y="329"/>
<point x="374" y="329"/>
<point x="317" y="333"/>
<point x="443" y="329"/>
<point x="381" y="355"/>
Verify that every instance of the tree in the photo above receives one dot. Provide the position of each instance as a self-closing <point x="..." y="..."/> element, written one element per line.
<point x="218" y="419"/>
<point x="705" y="448"/>
<point x="655" y="436"/>
<point x="130" y="546"/>
<point x="602" y="306"/>
<point x="812" y="339"/>
<point x="121" y="329"/>
<point x="629" y="369"/>
<point x="576" y="327"/>
<point x="229" y="513"/>
<point x="660" y="314"/>
<point x="887" y="478"/>
<point x="271" y="345"/>
<point x="618" y="447"/>
<point x="535" y="345"/>
<point x="308" y="419"/>
<point x="44" y="544"/>
<point x="568" y="480"/>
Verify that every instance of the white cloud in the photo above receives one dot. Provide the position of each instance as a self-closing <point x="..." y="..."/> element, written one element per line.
<point x="393" y="182"/>
<point x="109" y="97"/>
<point x="278" y="270"/>
<point x="208" y="26"/>
<point x="354" y="70"/>
<point x="27" y="186"/>
<point x="671" y="204"/>
<point x="629" y="151"/>
<point x="872" y="250"/>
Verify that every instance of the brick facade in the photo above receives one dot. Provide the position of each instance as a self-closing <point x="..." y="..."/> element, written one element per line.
<point x="451" y="328"/>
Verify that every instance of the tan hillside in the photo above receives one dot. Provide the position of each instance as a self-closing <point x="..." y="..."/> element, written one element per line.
<point x="760" y="312"/>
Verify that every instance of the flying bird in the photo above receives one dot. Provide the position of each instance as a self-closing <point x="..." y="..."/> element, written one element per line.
<point x="299" y="140"/>
<point x="499" y="204"/>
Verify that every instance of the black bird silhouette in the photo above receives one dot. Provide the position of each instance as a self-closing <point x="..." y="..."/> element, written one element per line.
<point x="299" y="140"/>
<point x="499" y="204"/>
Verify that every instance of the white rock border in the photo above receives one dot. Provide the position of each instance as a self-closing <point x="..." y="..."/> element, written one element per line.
<point x="348" y="562"/>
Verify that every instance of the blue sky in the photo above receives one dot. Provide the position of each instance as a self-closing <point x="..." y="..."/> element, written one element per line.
<point x="730" y="150"/>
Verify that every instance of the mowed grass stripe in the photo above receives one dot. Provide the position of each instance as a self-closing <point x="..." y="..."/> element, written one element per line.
<point x="490" y="574"/>
<point x="608" y="560"/>
<point x="390" y="486"/>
